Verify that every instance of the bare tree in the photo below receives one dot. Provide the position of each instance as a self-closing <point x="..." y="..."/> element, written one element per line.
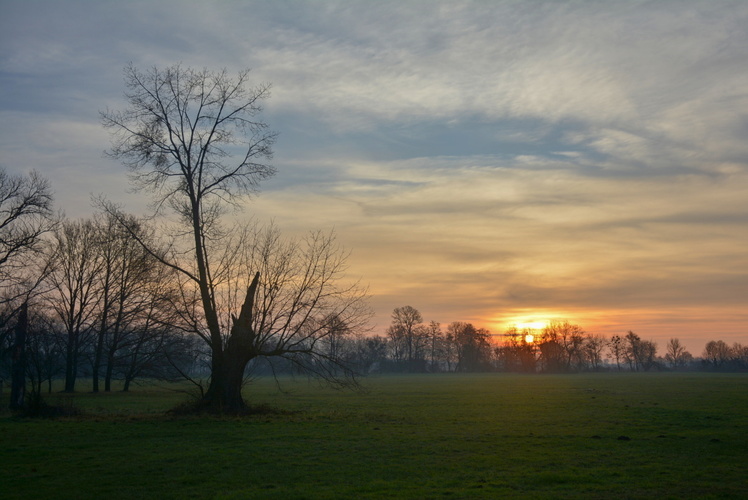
<point x="639" y="354"/>
<point x="46" y="359"/>
<point x="25" y="215"/>
<point x="593" y="349"/>
<point x="132" y="285"/>
<point x="553" y="356"/>
<point x="301" y="304"/>
<point x="616" y="348"/>
<point x="473" y="347"/>
<point x="75" y="265"/>
<point x="740" y="355"/>
<point x="676" y="354"/>
<point x="570" y="338"/>
<point x="516" y="354"/>
<point x="406" y="335"/>
<point x="193" y="139"/>
<point x="435" y="340"/>
<point x="717" y="354"/>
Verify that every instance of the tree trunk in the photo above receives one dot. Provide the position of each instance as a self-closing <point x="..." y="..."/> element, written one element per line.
<point x="225" y="390"/>
<point x="99" y="354"/>
<point x="18" y="381"/>
<point x="70" y="364"/>
<point x="227" y="377"/>
<point x="110" y="361"/>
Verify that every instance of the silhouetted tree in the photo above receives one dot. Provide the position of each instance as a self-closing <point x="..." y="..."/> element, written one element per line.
<point x="46" y="359"/>
<point x="593" y="347"/>
<point x="435" y="345"/>
<point x="569" y="339"/>
<point x="129" y="278"/>
<point x="179" y="136"/>
<point x="25" y="215"/>
<point x="553" y="356"/>
<point x="639" y="354"/>
<point x="516" y="354"/>
<point x="617" y="349"/>
<point x="717" y="354"/>
<point x="739" y="355"/>
<point x="406" y="336"/>
<point x="18" y="380"/>
<point x="676" y="354"/>
<point x="193" y="139"/>
<point x="371" y="353"/>
<point x="75" y="266"/>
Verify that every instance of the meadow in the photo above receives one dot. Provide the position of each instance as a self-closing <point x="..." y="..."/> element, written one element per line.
<point x="432" y="436"/>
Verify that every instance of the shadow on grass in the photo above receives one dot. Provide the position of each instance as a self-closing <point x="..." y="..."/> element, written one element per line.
<point x="37" y="407"/>
<point x="198" y="408"/>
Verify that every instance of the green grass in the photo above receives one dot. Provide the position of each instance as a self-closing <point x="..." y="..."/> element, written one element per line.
<point x="445" y="436"/>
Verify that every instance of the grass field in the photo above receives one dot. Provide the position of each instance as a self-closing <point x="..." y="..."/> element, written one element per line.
<point x="437" y="436"/>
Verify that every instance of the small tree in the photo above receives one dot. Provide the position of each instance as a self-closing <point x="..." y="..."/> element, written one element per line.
<point x="676" y="354"/>
<point x="617" y="349"/>
<point x="75" y="266"/>
<point x="406" y="336"/>
<point x="593" y="349"/>
<point x="717" y="354"/>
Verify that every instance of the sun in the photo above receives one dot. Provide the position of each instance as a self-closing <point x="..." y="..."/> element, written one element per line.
<point x="529" y="338"/>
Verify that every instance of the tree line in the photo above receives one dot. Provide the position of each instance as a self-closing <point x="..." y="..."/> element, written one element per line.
<point x="412" y="345"/>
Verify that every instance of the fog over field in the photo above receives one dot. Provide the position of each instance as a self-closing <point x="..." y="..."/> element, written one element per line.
<point x="493" y="162"/>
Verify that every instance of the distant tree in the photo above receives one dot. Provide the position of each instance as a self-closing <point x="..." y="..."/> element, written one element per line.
<point x="648" y="355"/>
<point x="406" y="336"/>
<point x="639" y="354"/>
<point x="129" y="283"/>
<point x="676" y="354"/>
<point x="371" y="352"/>
<point x="717" y="354"/>
<point x="570" y="338"/>
<point x="516" y="354"/>
<point x="617" y="349"/>
<point x="632" y="353"/>
<point x="75" y="266"/>
<point x="474" y="348"/>
<point x="435" y="345"/>
<point x="739" y="355"/>
<point x="46" y="359"/>
<point x="593" y="348"/>
<point x="553" y="356"/>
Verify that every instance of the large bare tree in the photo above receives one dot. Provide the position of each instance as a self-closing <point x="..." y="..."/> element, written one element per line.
<point x="195" y="141"/>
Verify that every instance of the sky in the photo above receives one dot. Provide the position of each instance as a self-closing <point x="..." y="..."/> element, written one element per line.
<point x="497" y="162"/>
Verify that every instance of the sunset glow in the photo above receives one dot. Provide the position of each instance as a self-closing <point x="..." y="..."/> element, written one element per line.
<point x="532" y="325"/>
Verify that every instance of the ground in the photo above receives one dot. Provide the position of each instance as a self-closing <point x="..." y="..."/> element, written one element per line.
<point x="435" y="436"/>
